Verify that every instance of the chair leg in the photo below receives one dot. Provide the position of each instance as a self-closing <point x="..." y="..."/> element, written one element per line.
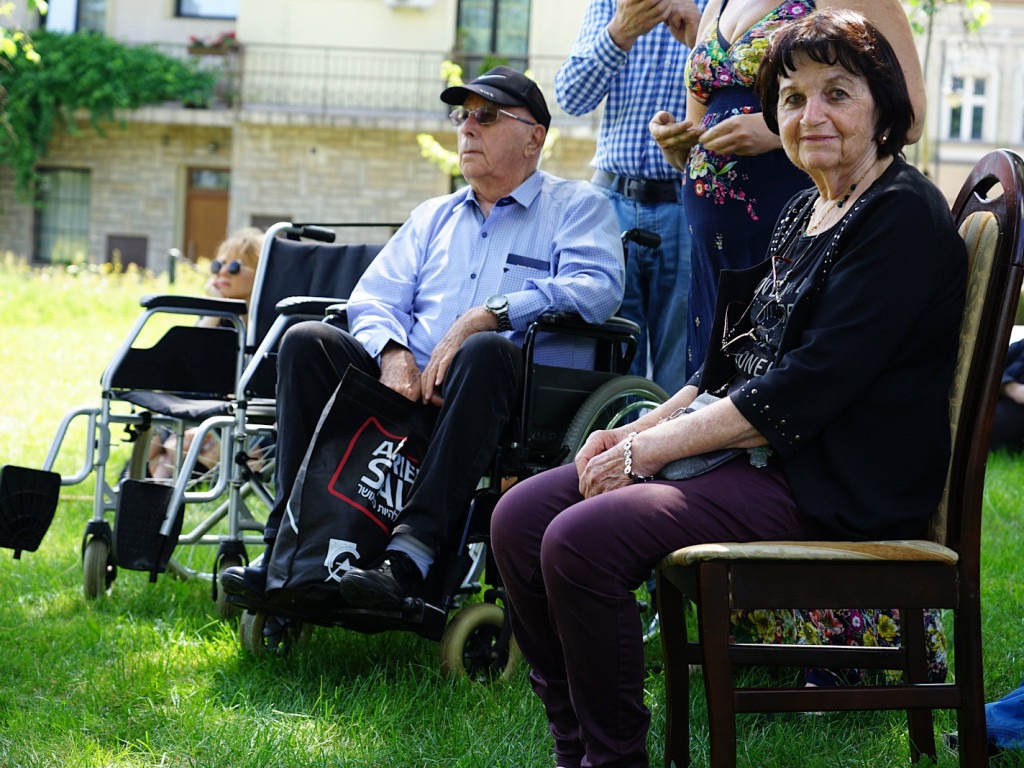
<point x="714" y="614"/>
<point x="970" y="716"/>
<point x="920" y="726"/>
<point x="672" y="604"/>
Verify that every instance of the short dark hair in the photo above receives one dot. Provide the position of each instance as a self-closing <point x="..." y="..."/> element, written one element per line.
<point x="848" y="39"/>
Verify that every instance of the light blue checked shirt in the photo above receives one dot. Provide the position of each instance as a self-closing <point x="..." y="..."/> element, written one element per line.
<point x="552" y="244"/>
<point x="637" y="83"/>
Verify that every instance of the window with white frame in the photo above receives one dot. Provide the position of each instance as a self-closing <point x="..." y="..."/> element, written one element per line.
<point x="969" y="112"/>
<point x="492" y="32"/>
<point x="208" y="9"/>
<point x="61" y="232"/>
<point x="76" y="16"/>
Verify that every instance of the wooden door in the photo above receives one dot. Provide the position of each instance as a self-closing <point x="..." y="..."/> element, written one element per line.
<point x="206" y="211"/>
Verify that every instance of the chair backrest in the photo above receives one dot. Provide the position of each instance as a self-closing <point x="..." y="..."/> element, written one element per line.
<point x="991" y="222"/>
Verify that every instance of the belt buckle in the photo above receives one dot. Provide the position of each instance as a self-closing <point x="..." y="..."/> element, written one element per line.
<point x="632" y="187"/>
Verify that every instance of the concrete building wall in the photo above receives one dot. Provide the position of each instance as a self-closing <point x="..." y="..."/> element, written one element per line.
<point x="325" y="173"/>
<point x="352" y="23"/>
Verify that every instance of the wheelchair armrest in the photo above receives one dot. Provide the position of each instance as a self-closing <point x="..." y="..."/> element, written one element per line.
<point x="616" y="338"/>
<point x="304" y="305"/>
<point x="201" y="304"/>
<point x="566" y="321"/>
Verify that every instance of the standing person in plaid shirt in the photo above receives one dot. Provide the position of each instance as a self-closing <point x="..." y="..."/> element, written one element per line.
<point x="626" y="56"/>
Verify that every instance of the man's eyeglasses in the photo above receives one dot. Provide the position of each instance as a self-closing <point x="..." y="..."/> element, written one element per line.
<point x="483" y="115"/>
<point x="234" y="267"/>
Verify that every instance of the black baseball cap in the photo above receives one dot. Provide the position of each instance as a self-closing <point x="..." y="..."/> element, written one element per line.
<point x="503" y="85"/>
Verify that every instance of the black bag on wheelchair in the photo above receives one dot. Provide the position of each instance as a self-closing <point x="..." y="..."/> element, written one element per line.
<point x="356" y="475"/>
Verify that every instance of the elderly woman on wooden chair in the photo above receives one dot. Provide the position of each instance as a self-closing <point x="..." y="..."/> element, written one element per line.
<point x="824" y="395"/>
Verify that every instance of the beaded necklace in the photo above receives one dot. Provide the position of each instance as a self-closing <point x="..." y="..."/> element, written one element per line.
<point x="818" y="218"/>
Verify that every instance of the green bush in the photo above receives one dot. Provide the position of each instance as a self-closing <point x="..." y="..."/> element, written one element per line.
<point x="82" y="71"/>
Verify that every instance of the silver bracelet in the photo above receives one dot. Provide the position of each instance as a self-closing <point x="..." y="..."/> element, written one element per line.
<point x="627" y="456"/>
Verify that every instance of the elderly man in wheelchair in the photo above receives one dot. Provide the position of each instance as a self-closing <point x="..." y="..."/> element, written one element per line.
<point x="440" y="317"/>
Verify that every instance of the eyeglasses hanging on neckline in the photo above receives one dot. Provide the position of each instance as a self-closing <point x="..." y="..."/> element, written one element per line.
<point x="485" y="115"/>
<point x="770" y="316"/>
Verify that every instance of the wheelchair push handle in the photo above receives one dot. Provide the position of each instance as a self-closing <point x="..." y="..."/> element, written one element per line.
<point x="298" y="231"/>
<point x="642" y="237"/>
<point x="313" y="232"/>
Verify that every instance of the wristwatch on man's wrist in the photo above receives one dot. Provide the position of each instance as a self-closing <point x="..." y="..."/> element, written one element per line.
<point x="497" y="305"/>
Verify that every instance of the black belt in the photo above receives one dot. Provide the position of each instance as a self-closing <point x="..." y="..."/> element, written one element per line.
<point x="641" y="190"/>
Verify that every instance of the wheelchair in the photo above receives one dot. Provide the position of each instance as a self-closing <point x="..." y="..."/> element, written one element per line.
<point x="216" y="381"/>
<point x="557" y="410"/>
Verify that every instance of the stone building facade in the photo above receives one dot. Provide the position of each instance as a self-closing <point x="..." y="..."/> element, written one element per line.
<point x="317" y="120"/>
<point x="310" y="133"/>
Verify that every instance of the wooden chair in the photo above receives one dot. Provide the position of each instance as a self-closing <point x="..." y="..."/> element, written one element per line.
<point x="939" y="572"/>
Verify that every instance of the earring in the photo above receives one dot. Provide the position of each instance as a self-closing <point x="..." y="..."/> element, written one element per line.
<point x="884" y="139"/>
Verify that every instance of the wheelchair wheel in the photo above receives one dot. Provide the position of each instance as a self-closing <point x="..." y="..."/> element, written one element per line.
<point x="264" y="635"/>
<point x="97" y="568"/>
<point x="470" y="645"/>
<point x="614" y="403"/>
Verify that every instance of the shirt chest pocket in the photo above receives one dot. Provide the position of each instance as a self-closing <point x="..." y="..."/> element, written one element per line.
<point x="519" y="269"/>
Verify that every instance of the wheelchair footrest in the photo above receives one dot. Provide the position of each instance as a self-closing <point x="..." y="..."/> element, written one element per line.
<point x="28" y="500"/>
<point x="141" y="511"/>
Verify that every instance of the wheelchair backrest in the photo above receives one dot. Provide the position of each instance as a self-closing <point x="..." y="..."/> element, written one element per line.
<point x="290" y="268"/>
<point x="301" y="268"/>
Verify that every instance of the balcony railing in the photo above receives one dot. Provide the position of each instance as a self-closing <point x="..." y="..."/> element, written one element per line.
<point x="338" y="81"/>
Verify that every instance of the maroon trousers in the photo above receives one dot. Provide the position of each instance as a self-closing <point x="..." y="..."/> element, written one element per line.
<point x="570" y="565"/>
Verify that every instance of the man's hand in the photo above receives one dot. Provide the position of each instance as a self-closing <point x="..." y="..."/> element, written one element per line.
<point x="683" y="20"/>
<point x="740" y="135"/>
<point x="472" y="321"/>
<point x="675" y="139"/>
<point x="398" y="371"/>
<point x="634" y="18"/>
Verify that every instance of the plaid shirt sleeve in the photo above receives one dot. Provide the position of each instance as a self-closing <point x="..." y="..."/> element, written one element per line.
<point x="589" y="73"/>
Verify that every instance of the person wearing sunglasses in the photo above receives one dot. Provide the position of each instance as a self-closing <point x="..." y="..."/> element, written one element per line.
<point x="440" y="316"/>
<point x="826" y="380"/>
<point x="233" y="270"/>
<point x="231" y="277"/>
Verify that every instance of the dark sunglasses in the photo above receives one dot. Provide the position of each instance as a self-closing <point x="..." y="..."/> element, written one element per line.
<point x="483" y="115"/>
<point x="234" y="267"/>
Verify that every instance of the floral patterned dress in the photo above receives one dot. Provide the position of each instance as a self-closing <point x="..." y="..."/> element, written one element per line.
<point x="848" y="626"/>
<point x="731" y="201"/>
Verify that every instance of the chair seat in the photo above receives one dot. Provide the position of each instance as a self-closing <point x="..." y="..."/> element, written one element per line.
<point x="177" y="406"/>
<point x="901" y="550"/>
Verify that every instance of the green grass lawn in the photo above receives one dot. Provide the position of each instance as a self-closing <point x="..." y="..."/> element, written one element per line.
<point x="149" y="676"/>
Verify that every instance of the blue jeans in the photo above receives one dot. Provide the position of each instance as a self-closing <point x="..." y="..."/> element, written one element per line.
<point x="1004" y="720"/>
<point x="657" y="282"/>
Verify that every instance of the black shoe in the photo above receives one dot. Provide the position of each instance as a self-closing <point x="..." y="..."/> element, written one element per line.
<point x="249" y="582"/>
<point x="384" y="586"/>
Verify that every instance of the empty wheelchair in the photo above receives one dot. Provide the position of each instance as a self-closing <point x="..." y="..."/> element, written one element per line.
<point x="216" y="381"/>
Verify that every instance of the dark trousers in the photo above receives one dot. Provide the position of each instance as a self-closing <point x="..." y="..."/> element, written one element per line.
<point x="480" y="390"/>
<point x="569" y="566"/>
